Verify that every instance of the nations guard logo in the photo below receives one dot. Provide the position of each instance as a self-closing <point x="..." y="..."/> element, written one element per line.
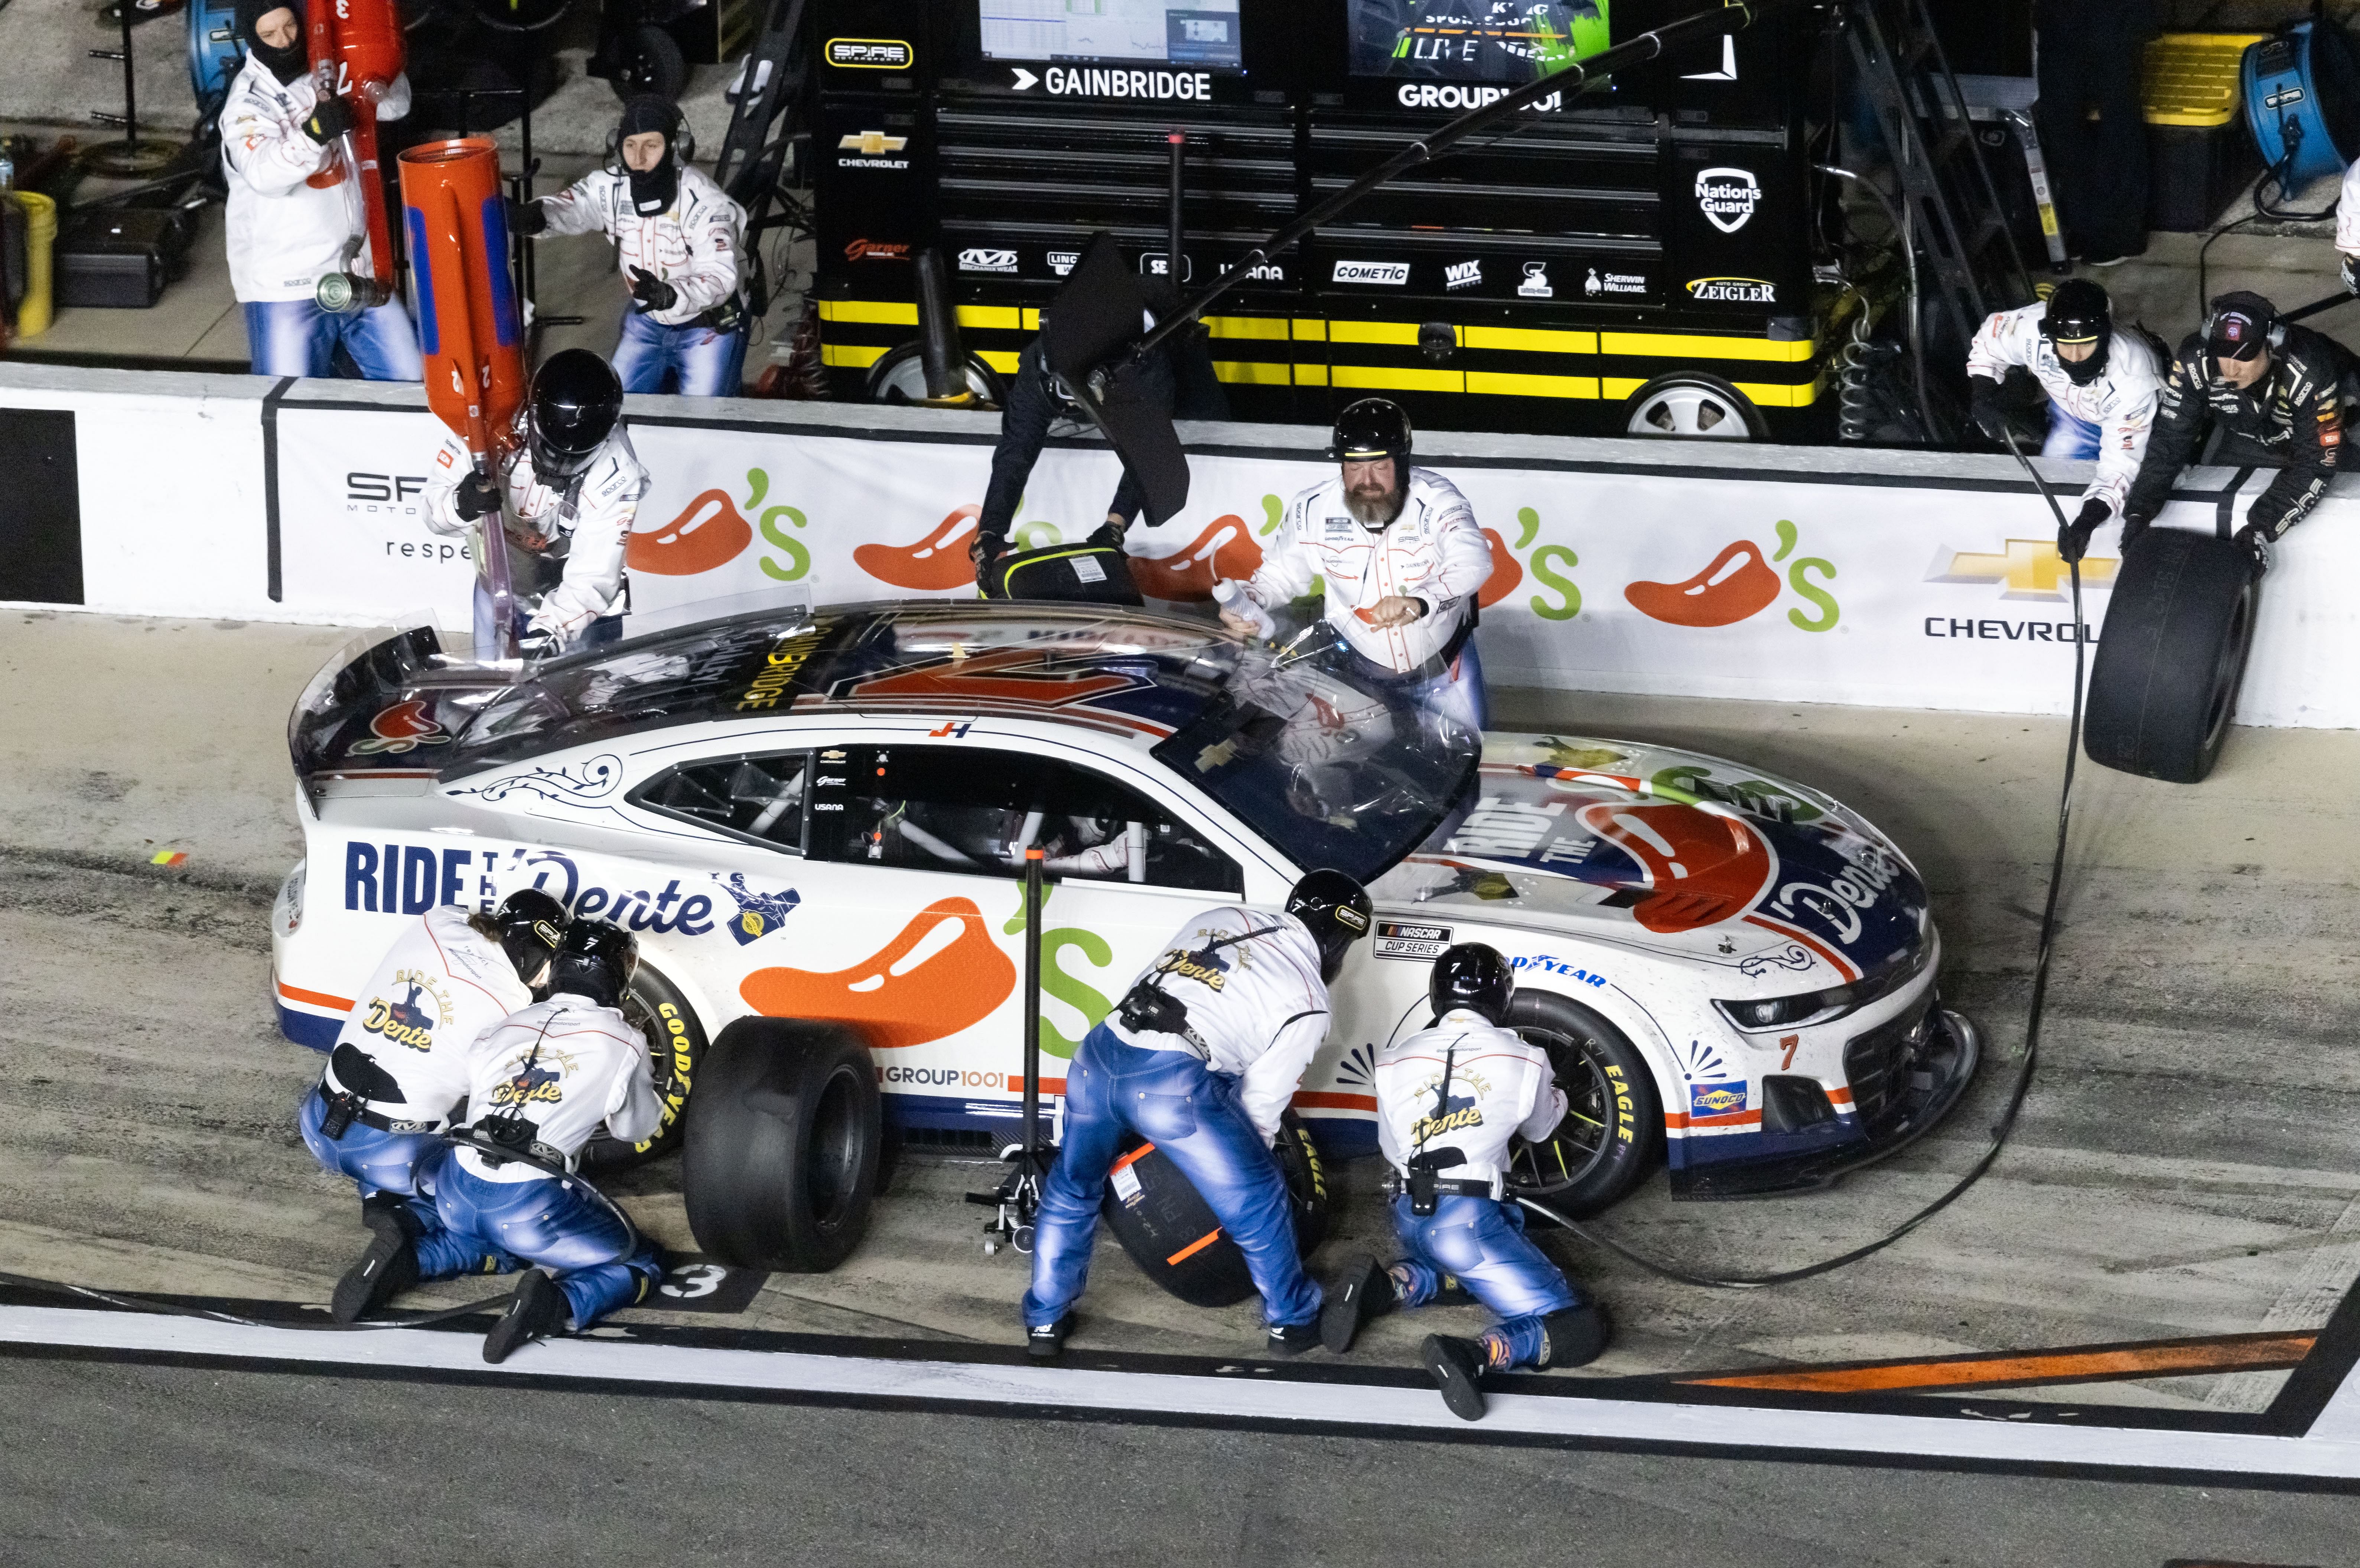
<point x="1726" y="197"/>
<point x="404" y="727"/>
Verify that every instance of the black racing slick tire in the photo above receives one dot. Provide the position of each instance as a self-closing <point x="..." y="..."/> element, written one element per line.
<point x="784" y="1139"/>
<point x="649" y="60"/>
<point x="675" y="1051"/>
<point x="1613" y="1120"/>
<point x="2164" y="683"/>
<point x="1170" y="1231"/>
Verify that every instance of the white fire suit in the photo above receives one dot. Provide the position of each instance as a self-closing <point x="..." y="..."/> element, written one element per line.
<point x="289" y="214"/>
<point x="439" y="987"/>
<point x="1500" y="1086"/>
<point x="2347" y="212"/>
<point x="693" y="244"/>
<point x="569" y="1067"/>
<point x="2120" y="403"/>
<point x="583" y="524"/>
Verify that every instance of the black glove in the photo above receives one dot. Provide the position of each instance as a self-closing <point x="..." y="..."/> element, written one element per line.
<point x="652" y="291"/>
<point x="539" y="642"/>
<point x="2351" y="271"/>
<point x="2133" y="526"/>
<point x="2073" y="538"/>
<point x="475" y="497"/>
<point x="330" y="117"/>
<point x="987" y="548"/>
<point x="527" y="217"/>
<point x="2257" y="541"/>
<point x="1984" y="408"/>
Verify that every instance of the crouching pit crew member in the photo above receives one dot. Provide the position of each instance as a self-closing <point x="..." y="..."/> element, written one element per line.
<point x="2272" y="389"/>
<point x="400" y="1065"/>
<point x="1402" y="559"/>
<point x="543" y="1082"/>
<point x="1449" y="1099"/>
<point x="2102" y="385"/>
<point x="1202" y="1058"/>
<point x="572" y="486"/>
<point x="678" y="239"/>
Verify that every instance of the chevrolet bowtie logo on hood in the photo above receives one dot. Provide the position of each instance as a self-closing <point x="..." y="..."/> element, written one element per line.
<point x="872" y="144"/>
<point x="2030" y="567"/>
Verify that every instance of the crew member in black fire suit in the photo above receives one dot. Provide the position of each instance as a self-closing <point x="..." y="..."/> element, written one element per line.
<point x="2273" y="390"/>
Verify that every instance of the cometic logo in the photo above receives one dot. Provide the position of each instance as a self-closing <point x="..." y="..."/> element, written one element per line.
<point x="1726" y="197"/>
<point x="1732" y="291"/>
<point x="1392" y="274"/>
<point x="987" y="261"/>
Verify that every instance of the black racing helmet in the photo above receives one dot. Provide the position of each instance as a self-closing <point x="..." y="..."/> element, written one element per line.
<point x="1373" y="427"/>
<point x="2079" y="311"/>
<point x="596" y="959"/>
<point x="1475" y="977"/>
<point x="576" y="399"/>
<point x="1337" y="909"/>
<point x="530" y="926"/>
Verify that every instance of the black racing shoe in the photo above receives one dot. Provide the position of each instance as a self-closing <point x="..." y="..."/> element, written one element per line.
<point x="536" y="1309"/>
<point x="1047" y="1342"/>
<point x="1456" y="1367"/>
<point x="1365" y="1291"/>
<point x="1576" y="1337"/>
<point x="1293" y="1339"/>
<point x="388" y="1268"/>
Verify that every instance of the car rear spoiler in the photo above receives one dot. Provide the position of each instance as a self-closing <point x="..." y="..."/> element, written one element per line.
<point x="387" y="701"/>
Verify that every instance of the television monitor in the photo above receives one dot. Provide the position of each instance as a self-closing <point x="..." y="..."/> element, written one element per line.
<point x="1201" y="33"/>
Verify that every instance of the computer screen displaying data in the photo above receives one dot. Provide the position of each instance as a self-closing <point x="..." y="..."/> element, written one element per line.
<point x="1504" y="41"/>
<point x="1203" y="33"/>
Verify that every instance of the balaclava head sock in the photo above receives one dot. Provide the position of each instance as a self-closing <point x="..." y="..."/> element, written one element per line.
<point x="652" y="192"/>
<point x="286" y="64"/>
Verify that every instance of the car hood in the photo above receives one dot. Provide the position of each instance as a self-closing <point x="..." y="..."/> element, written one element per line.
<point x="1676" y="851"/>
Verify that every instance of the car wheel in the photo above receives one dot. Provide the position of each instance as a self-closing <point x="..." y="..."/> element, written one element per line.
<point x="1170" y="1230"/>
<point x="1613" y="1120"/>
<point x="647" y="61"/>
<point x="1694" y="406"/>
<point x="676" y="1050"/>
<point x="901" y="378"/>
<point x="2164" y="682"/>
<point x="784" y="1134"/>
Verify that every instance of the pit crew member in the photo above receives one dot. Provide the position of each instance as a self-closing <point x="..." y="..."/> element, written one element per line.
<point x="677" y="238"/>
<point x="572" y="486"/>
<point x="1202" y="1056"/>
<point x="292" y="211"/>
<point x="543" y="1082"/>
<point x="2102" y="385"/>
<point x="2272" y="389"/>
<point x="1449" y="1099"/>
<point x="399" y="1065"/>
<point x="1402" y="559"/>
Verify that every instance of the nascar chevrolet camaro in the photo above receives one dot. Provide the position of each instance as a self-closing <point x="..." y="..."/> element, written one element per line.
<point x="823" y="816"/>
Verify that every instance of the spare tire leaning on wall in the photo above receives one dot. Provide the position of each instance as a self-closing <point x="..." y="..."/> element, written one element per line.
<point x="2164" y="683"/>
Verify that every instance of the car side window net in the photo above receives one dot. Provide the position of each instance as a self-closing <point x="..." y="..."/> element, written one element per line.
<point x="758" y="797"/>
<point x="974" y="812"/>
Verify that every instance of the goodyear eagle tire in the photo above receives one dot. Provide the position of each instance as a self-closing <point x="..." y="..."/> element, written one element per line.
<point x="784" y="1137"/>
<point x="1607" y="1142"/>
<point x="1171" y="1234"/>
<point x="2164" y="683"/>
<point x="676" y="1050"/>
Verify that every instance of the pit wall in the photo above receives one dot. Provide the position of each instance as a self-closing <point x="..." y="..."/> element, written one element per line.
<point x="1787" y="573"/>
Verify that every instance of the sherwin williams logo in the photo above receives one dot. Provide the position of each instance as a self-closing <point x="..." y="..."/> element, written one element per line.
<point x="1732" y="291"/>
<point x="1727" y="197"/>
<point x="1737" y="585"/>
<point x="871" y="54"/>
<point x="1392" y="274"/>
<point x="2030" y="567"/>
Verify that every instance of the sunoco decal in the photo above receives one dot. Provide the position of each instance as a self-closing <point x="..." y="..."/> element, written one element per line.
<point x="871" y="54"/>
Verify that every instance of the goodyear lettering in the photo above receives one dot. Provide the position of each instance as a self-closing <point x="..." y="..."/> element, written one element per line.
<point x="1548" y="965"/>
<point x="1628" y="1124"/>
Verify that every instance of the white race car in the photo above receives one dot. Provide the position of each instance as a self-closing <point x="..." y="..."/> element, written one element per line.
<point x="817" y="823"/>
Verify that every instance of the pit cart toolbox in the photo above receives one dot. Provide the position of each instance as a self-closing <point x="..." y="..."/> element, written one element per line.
<point x="2200" y="153"/>
<point x="122" y="258"/>
<point x="1550" y="280"/>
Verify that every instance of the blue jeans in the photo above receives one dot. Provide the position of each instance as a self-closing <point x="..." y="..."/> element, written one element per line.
<point x="2069" y="437"/>
<point x="1192" y="1114"/>
<point x="703" y="363"/>
<point x="1458" y="691"/>
<point x="387" y="1162"/>
<point x="546" y="1222"/>
<point x="1480" y="1243"/>
<point x="296" y="337"/>
<point x="606" y="629"/>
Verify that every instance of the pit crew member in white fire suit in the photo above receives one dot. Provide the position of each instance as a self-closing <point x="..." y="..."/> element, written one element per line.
<point x="543" y="1081"/>
<point x="1403" y="560"/>
<point x="1449" y="1099"/>
<point x="291" y="210"/>
<point x="400" y="1063"/>
<point x="1202" y="1056"/>
<point x="2101" y="386"/>
<point x="678" y="240"/>
<point x="572" y="486"/>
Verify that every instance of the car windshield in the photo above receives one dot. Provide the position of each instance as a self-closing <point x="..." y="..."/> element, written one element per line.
<point x="1334" y="771"/>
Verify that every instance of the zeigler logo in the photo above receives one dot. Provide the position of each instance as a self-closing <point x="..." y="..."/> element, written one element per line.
<point x="1726" y="197"/>
<point x="1732" y="291"/>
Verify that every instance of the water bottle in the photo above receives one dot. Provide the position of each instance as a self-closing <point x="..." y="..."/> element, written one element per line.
<point x="1230" y="594"/>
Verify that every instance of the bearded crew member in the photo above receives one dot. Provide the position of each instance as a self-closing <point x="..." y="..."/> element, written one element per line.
<point x="678" y="240"/>
<point x="543" y="1082"/>
<point x="2271" y="388"/>
<point x="1451" y="1099"/>
<point x="1202" y="1058"/>
<point x="290" y="213"/>
<point x="399" y="1066"/>
<point x="572" y="485"/>
<point x="2103" y="387"/>
<point x="1402" y="557"/>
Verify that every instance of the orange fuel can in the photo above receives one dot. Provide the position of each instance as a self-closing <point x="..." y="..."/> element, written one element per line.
<point x="468" y="327"/>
